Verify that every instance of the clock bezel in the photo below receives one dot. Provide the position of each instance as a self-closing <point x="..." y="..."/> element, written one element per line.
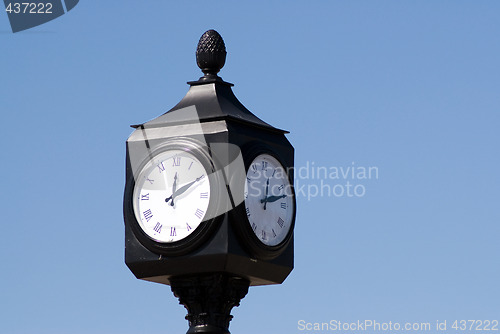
<point x="205" y="229"/>
<point x="244" y="230"/>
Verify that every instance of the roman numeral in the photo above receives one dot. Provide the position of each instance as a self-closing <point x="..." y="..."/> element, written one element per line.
<point x="188" y="227"/>
<point x="158" y="227"/>
<point x="248" y="212"/>
<point x="177" y="161"/>
<point x="254" y="227"/>
<point x="283" y="205"/>
<point x="274" y="233"/>
<point x="281" y="222"/>
<point x="263" y="235"/>
<point x="173" y="233"/>
<point x="148" y="214"/>
<point x="150" y="181"/>
<point x="281" y="187"/>
<point x="190" y="165"/>
<point x="145" y="197"/>
<point x="199" y="213"/>
<point x="161" y="167"/>
<point x="254" y="168"/>
<point x="204" y="195"/>
<point x="264" y="165"/>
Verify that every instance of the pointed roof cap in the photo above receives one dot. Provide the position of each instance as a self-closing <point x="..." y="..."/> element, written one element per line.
<point x="212" y="96"/>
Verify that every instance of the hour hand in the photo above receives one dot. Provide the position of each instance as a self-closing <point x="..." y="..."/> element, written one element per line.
<point x="271" y="199"/>
<point x="182" y="190"/>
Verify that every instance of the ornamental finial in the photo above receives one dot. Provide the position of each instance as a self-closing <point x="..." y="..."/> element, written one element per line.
<point x="211" y="53"/>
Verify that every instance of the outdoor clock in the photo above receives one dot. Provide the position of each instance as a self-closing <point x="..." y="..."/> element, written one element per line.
<point x="209" y="205"/>
<point x="172" y="198"/>
<point x="269" y="205"/>
<point x="209" y="187"/>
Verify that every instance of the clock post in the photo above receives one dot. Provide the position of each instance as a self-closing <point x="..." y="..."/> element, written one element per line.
<point x="209" y="203"/>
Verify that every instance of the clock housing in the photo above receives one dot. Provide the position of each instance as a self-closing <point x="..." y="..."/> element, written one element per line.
<point x="210" y="114"/>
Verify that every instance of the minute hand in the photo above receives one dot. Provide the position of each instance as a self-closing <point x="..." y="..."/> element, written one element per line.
<point x="271" y="199"/>
<point x="183" y="189"/>
<point x="174" y="187"/>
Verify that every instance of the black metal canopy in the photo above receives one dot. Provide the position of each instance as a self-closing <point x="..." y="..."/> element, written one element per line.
<point x="213" y="97"/>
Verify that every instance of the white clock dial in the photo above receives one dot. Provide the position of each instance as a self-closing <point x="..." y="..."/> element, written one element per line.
<point x="171" y="196"/>
<point x="269" y="200"/>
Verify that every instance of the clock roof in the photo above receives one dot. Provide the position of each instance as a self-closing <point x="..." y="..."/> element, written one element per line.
<point x="213" y="101"/>
<point x="212" y="97"/>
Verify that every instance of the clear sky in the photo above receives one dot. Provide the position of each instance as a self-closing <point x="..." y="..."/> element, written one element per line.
<point x="410" y="88"/>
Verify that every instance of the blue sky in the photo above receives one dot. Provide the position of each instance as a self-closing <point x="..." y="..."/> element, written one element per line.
<point x="411" y="88"/>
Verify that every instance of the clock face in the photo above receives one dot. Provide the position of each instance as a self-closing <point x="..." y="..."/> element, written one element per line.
<point x="269" y="201"/>
<point x="171" y="196"/>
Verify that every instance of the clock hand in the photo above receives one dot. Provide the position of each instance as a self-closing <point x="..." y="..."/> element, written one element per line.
<point x="174" y="186"/>
<point x="271" y="199"/>
<point x="183" y="189"/>
<point x="267" y="191"/>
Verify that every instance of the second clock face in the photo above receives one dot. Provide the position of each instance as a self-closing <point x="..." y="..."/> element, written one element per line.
<point x="269" y="200"/>
<point x="171" y="196"/>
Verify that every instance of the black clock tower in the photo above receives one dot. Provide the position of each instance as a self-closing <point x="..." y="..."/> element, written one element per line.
<point x="209" y="205"/>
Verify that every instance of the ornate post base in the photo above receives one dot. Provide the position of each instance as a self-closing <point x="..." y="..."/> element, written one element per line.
<point x="209" y="299"/>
